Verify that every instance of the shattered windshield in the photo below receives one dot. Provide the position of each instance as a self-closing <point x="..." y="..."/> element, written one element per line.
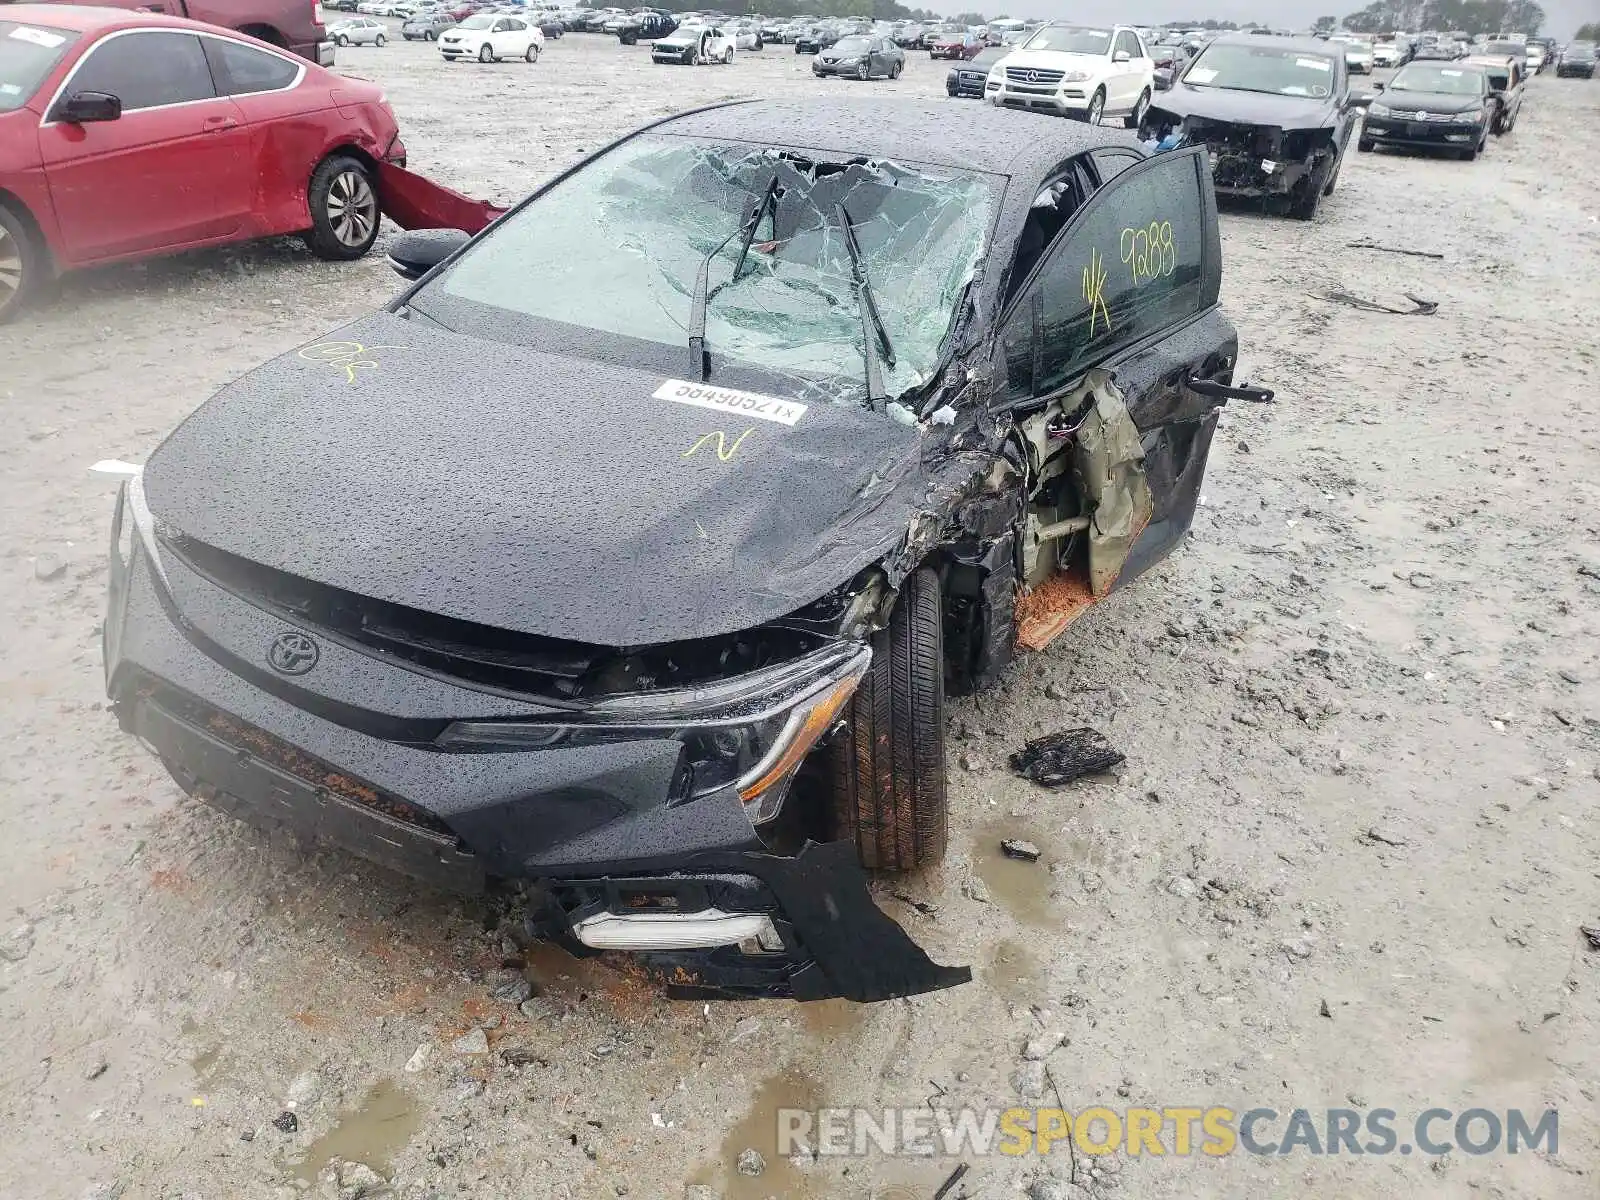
<point x="1453" y="81"/>
<point x="616" y="249"/>
<point x="27" y="54"/>
<point x="1070" y="40"/>
<point x="1274" y="70"/>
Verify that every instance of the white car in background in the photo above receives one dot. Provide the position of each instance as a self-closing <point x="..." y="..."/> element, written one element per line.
<point x="1534" y="59"/>
<point x="491" y="37"/>
<point x="746" y="35"/>
<point x="1082" y="71"/>
<point x="693" y="45"/>
<point x="1358" y="56"/>
<point x="1387" y="54"/>
<point x="360" y="31"/>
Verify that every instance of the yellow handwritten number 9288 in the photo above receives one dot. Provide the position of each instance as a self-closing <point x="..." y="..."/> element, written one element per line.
<point x="1149" y="253"/>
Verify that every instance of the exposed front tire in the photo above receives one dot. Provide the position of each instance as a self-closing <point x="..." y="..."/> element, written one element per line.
<point x="894" y="71"/>
<point x="381" y="40"/>
<point x="485" y="55"/>
<point x="727" y="57"/>
<point x="863" y="71"/>
<point x="344" y="209"/>
<point x="341" y="40"/>
<point x="887" y="764"/>
<point x="22" y="264"/>
<point x="532" y="54"/>
<point x="1304" y="206"/>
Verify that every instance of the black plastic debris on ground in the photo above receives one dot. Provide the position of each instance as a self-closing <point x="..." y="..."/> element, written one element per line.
<point x="1591" y="934"/>
<point x="1419" y="306"/>
<point x="1059" y="758"/>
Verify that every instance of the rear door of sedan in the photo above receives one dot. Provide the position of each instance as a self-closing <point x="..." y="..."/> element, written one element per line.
<point x="167" y="172"/>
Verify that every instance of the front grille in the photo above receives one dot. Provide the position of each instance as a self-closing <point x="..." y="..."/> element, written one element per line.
<point x="1033" y="75"/>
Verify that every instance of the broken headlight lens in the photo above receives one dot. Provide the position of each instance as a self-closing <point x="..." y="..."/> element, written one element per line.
<point x="750" y="732"/>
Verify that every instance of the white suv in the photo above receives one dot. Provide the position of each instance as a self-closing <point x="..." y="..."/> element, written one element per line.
<point x="1077" y="71"/>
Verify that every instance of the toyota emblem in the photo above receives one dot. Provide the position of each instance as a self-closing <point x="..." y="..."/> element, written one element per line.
<point x="292" y="653"/>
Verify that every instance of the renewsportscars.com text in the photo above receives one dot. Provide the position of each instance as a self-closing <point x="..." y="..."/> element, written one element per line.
<point x="1154" y="1132"/>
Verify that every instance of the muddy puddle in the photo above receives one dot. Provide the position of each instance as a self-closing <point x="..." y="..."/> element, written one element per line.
<point x="1013" y="970"/>
<point x="828" y="1020"/>
<point x="758" y="1130"/>
<point x="372" y="1133"/>
<point x="1021" y="888"/>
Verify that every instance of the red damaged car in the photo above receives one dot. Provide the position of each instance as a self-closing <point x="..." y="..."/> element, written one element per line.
<point x="125" y="135"/>
<point x="956" y="45"/>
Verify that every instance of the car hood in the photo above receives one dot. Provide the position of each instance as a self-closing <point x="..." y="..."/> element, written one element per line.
<point x="1248" y="108"/>
<point x="531" y="491"/>
<point x="1054" y="60"/>
<point x="1433" y="102"/>
<point x="678" y="39"/>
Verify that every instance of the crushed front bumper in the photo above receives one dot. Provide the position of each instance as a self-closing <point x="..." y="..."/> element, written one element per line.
<point x="355" y="751"/>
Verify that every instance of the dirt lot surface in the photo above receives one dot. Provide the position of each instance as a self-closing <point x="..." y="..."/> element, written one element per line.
<point x="1345" y="863"/>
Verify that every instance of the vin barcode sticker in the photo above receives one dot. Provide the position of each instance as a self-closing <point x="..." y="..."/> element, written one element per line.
<point x="730" y="400"/>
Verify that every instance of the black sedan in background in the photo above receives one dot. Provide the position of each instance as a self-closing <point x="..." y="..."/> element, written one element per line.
<point x="1432" y="106"/>
<point x="1577" y="61"/>
<point x="966" y="80"/>
<point x="860" y="58"/>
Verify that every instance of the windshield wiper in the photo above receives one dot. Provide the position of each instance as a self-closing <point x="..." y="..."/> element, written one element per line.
<point x="699" y="359"/>
<point x="873" y="332"/>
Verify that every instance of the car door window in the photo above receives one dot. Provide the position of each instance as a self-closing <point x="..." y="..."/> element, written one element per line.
<point x="1132" y="263"/>
<point x="146" y="70"/>
<point x="1126" y="44"/>
<point x="242" y="70"/>
<point x="1113" y="161"/>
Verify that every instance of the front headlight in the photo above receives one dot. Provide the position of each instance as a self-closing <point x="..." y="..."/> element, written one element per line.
<point x="750" y="732"/>
<point x="1471" y="117"/>
<point x="1075" y="77"/>
<point x="1379" y="110"/>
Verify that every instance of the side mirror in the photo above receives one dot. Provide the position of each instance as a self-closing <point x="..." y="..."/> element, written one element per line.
<point x="1163" y="80"/>
<point x="1121" y="56"/>
<point x="417" y="251"/>
<point x="85" y="108"/>
<point x="1361" y="99"/>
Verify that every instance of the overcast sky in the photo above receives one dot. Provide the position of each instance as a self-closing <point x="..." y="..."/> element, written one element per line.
<point x="1562" y="17"/>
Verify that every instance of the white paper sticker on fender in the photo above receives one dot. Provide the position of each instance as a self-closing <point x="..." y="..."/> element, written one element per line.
<point x="730" y="400"/>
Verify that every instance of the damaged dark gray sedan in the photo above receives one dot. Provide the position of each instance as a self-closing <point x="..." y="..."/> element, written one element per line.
<point x="632" y="551"/>
<point x="1275" y="115"/>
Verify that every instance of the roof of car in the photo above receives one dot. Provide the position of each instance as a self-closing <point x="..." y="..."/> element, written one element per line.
<point x="1304" y="45"/>
<point x="83" y="18"/>
<point x="993" y="140"/>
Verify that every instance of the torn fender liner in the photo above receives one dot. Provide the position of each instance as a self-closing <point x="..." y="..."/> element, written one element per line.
<point x="1110" y="464"/>
<point x="857" y="951"/>
<point x="413" y="202"/>
<point x="839" y="943"/>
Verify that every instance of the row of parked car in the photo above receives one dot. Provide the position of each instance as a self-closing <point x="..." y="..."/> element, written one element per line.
<point x="1277" y="114"/>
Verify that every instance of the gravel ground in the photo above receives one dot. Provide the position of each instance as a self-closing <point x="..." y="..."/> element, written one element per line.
<point x="1345" y="864"/>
